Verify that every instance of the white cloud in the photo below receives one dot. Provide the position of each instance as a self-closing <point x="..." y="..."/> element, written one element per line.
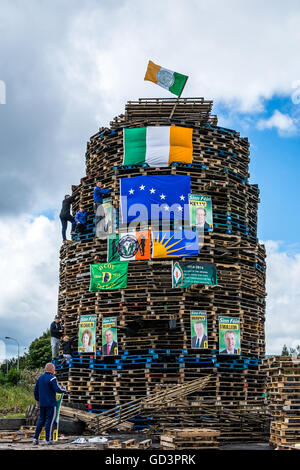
<point x="231" y="54"/>
<point x="284" y="124"/>
<point x="29" y="253"/>
<point x="283" y="300"/>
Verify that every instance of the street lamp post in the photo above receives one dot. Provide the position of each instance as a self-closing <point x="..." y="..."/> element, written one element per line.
<point x="6" y="360"/>
<point x="13" y="339"/>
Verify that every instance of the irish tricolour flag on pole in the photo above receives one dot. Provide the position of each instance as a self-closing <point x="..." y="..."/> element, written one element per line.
<point x="158" y="146"/>
<point x="172" y="81"/>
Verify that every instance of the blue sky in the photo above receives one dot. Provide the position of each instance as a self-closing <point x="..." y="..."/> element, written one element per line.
<point x="274" y="166"/>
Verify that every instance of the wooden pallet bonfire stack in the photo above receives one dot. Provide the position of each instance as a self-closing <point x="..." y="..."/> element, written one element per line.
<point x="283" y="390"/>
<point x="154" y="337"/>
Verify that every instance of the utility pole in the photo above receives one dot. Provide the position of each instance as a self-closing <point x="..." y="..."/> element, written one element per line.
<point x="13" y="339"/>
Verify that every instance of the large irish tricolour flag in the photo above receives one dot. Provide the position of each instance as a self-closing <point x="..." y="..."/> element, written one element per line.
<point x="158" y="146"/>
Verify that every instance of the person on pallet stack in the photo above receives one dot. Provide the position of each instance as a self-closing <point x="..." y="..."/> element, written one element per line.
<point x="56" y="333"/>
<point x="66" y="345"/>
<point x="45" y="391"/>
<point x="65" y="216"/>
<point x="81" y="220"/>
<point x="98" y="200"/>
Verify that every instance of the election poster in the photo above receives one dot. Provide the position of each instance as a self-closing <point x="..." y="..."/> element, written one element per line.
<point x="105" y="219"/>
<point x="229" y="336"/>
<point x="109" y="337"/>
<point x="198" y="321"/>
<point x="87" y="333"/>
<point x="200" y="211"/>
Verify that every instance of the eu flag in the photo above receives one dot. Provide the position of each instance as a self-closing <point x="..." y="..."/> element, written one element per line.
<point x="154" y="197"/>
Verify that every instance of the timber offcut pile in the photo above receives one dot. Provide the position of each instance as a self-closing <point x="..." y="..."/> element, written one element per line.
<point x="153" y="318"/>
<point x="283" y="389"/>
<point x="189" y="438"/>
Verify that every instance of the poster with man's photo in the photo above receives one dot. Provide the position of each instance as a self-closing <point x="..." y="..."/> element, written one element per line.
<point x="198" y="321"/>
<point x="109" y="337"/>
<point x="87" y="333"/>
<point x="200" y="211"/>
<point x="229" y="336"/>
<point x="105" y="219"/>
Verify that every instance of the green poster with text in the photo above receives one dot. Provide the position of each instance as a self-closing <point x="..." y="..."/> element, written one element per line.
<point x="187" y="273"/>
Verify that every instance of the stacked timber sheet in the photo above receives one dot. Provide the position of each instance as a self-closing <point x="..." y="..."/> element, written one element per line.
<point x="283" y="390"/>
<point x="187" y="438"/>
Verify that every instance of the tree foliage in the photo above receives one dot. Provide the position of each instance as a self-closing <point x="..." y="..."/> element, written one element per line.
<point x="290" y="351"/>
<point x="39" y="352"/>
<point x="285" y="351"/>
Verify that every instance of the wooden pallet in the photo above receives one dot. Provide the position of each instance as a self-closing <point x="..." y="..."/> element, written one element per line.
<point x="129" y="444"/>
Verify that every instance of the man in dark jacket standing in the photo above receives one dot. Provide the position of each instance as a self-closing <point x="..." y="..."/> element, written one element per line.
<point x="56" y="333"/>
<point x="65" y="215"/>
<point x="45" y="391"/>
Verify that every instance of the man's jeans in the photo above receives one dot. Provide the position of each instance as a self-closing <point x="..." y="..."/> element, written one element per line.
<point x="64" y="223"/>
<point x="55" y="342"/>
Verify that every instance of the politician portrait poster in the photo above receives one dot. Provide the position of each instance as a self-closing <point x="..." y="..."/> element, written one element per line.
<point x="109" y="337"/>
<point x="198" y="322"/>
<point x="200" y="211"/>
<point x="229" y="336"/>
<point x="105" y="217"/>
<point x="87" y="333"/>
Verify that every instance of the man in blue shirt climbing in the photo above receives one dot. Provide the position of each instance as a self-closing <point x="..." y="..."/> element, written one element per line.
<point x="45" y="391"/>
<point x="98" y="200"/>
<point x="81" y="220"/>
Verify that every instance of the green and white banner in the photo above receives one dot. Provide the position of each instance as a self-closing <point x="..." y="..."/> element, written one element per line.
<point x="229" y="336"/>
<point x="55" y="424"/>
<point x="187" y="273"/>
<point x="108" y="276"/>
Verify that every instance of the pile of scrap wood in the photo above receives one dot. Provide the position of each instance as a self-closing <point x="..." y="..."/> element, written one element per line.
<point x="118" y="416"/>
<point x="158" y="400"/>
<point x="189" y="438"/>
<point x="24" y="434"/>
<point x="283" y="390"/>
<point x="129" y="444"/>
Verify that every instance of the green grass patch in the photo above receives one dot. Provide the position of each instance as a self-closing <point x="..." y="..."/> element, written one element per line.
<point x="14" y="399"/>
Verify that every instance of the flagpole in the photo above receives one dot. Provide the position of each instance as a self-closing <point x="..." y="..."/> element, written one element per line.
<point x="174" y="107"/>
